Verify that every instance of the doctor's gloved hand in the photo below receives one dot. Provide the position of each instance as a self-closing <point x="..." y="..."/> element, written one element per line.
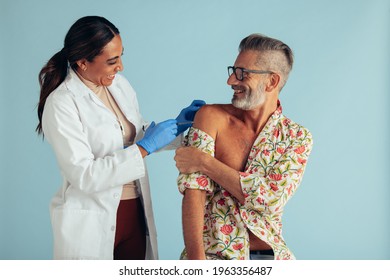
<point x="187" y="115"/>
<point x="158" y="135"/>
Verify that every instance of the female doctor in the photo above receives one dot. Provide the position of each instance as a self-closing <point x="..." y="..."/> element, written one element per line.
<point x="90" y="116"/>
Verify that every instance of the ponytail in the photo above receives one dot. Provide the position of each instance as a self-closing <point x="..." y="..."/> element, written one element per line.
<point x="50" y="77"/>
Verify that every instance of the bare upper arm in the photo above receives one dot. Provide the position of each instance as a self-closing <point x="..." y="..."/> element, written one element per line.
<point x="208" y="119"/>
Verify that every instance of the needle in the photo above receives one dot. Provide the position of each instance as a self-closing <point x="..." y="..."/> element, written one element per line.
<point x="183" y="123"/>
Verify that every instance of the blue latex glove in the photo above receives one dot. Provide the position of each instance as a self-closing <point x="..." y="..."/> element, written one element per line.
<point x="187" y="115"/>
<point x="158" y="136"/>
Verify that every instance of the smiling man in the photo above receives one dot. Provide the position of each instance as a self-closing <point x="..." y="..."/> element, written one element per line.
<point x="244" y="162"/>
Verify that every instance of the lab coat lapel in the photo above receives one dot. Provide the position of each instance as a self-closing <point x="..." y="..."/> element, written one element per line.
<point x="80" y="89"/>
<point x="125" y="104"/>
<point x="120" y="99"/>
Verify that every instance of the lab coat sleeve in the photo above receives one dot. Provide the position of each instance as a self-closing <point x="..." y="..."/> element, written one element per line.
<point x="64" y="131"/>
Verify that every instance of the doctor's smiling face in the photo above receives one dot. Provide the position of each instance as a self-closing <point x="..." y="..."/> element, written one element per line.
<point x="102" y="69"/>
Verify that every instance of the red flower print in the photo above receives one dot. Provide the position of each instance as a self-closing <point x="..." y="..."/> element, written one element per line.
<point x="226" y="193"/>
<point x="202" y="181"/>
<point x="266" y="152"/>
<point x="274" y="187"/>
<point x="289" y="189"/>
<point x="301" y="160"/>
<point x="299" y="150"/>
<point x="260" y="200"/>
<point x="291" y="133"/>
<point x="262" y="232"/>
<point x="244" y="174"/>
<point x="276" y="177"/>
<point x="299" y="133"/>
<point x="221" y="202"/>
<point x="195" y="136"/>
<point x="280" y="150"/>
<point x="276" y="133"/>
<point x="226" y="229"/>
<point x="286" y="122"/>
<point x="262" y="140"/>
<point x="238" y="246"/>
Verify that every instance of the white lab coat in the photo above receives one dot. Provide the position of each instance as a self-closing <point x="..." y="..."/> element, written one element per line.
<point x="88" y="145"/>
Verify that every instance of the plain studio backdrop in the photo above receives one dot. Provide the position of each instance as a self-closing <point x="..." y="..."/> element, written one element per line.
<point x="177" y="51"/>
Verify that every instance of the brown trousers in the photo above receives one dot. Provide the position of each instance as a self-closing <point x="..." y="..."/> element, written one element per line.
<point x="130" y="236"/>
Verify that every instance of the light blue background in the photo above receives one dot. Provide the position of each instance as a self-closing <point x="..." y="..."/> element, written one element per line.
<point x="176" y="51"/>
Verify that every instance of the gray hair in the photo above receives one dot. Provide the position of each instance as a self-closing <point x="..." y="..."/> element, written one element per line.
<point x="275" y="55"/>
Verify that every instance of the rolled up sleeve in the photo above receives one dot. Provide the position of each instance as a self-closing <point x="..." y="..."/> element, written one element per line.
<point x="198" y="181"/>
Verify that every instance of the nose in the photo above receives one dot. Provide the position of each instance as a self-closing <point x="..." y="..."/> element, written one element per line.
<point x="232" y="80"/>
<point x="120" y="65"/>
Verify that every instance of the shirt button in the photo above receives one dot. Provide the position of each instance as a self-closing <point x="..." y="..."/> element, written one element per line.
<point x="113" y="228"/>
<point x="116" y="195"/>
<point x="116" y="126"/>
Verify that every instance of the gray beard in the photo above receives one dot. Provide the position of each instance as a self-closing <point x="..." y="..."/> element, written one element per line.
<point x="249" y="101"/>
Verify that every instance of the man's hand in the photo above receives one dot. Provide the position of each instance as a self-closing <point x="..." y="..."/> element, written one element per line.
<point x="189" y="159"/>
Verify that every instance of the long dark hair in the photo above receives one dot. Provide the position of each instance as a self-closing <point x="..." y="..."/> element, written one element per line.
<point x="85" y="39"/>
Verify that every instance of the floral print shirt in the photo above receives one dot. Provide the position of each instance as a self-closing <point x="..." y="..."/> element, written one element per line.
<point x="274" y="170"/>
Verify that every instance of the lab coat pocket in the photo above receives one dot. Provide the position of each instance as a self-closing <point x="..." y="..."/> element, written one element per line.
<point x="77" y="233"/>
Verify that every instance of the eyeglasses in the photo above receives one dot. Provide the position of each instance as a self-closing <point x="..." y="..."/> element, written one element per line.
<point x="239" y="72"/>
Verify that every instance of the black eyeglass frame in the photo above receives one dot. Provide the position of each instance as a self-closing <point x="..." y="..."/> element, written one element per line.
<point x="233" y="69"/>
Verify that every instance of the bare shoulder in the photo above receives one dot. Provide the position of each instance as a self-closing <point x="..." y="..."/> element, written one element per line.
<point x="211" y="117"/>
<point x="212" y="109"/>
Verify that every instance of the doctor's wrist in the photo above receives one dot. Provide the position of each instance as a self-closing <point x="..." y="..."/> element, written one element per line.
<point x="143" y="152"/>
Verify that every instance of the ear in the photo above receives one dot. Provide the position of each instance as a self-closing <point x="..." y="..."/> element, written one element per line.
<point x="82" y="64"/>
<point x="273" y="82"/>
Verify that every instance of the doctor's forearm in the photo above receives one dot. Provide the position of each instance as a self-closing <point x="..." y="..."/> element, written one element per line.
<point x="143" y="152"/>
